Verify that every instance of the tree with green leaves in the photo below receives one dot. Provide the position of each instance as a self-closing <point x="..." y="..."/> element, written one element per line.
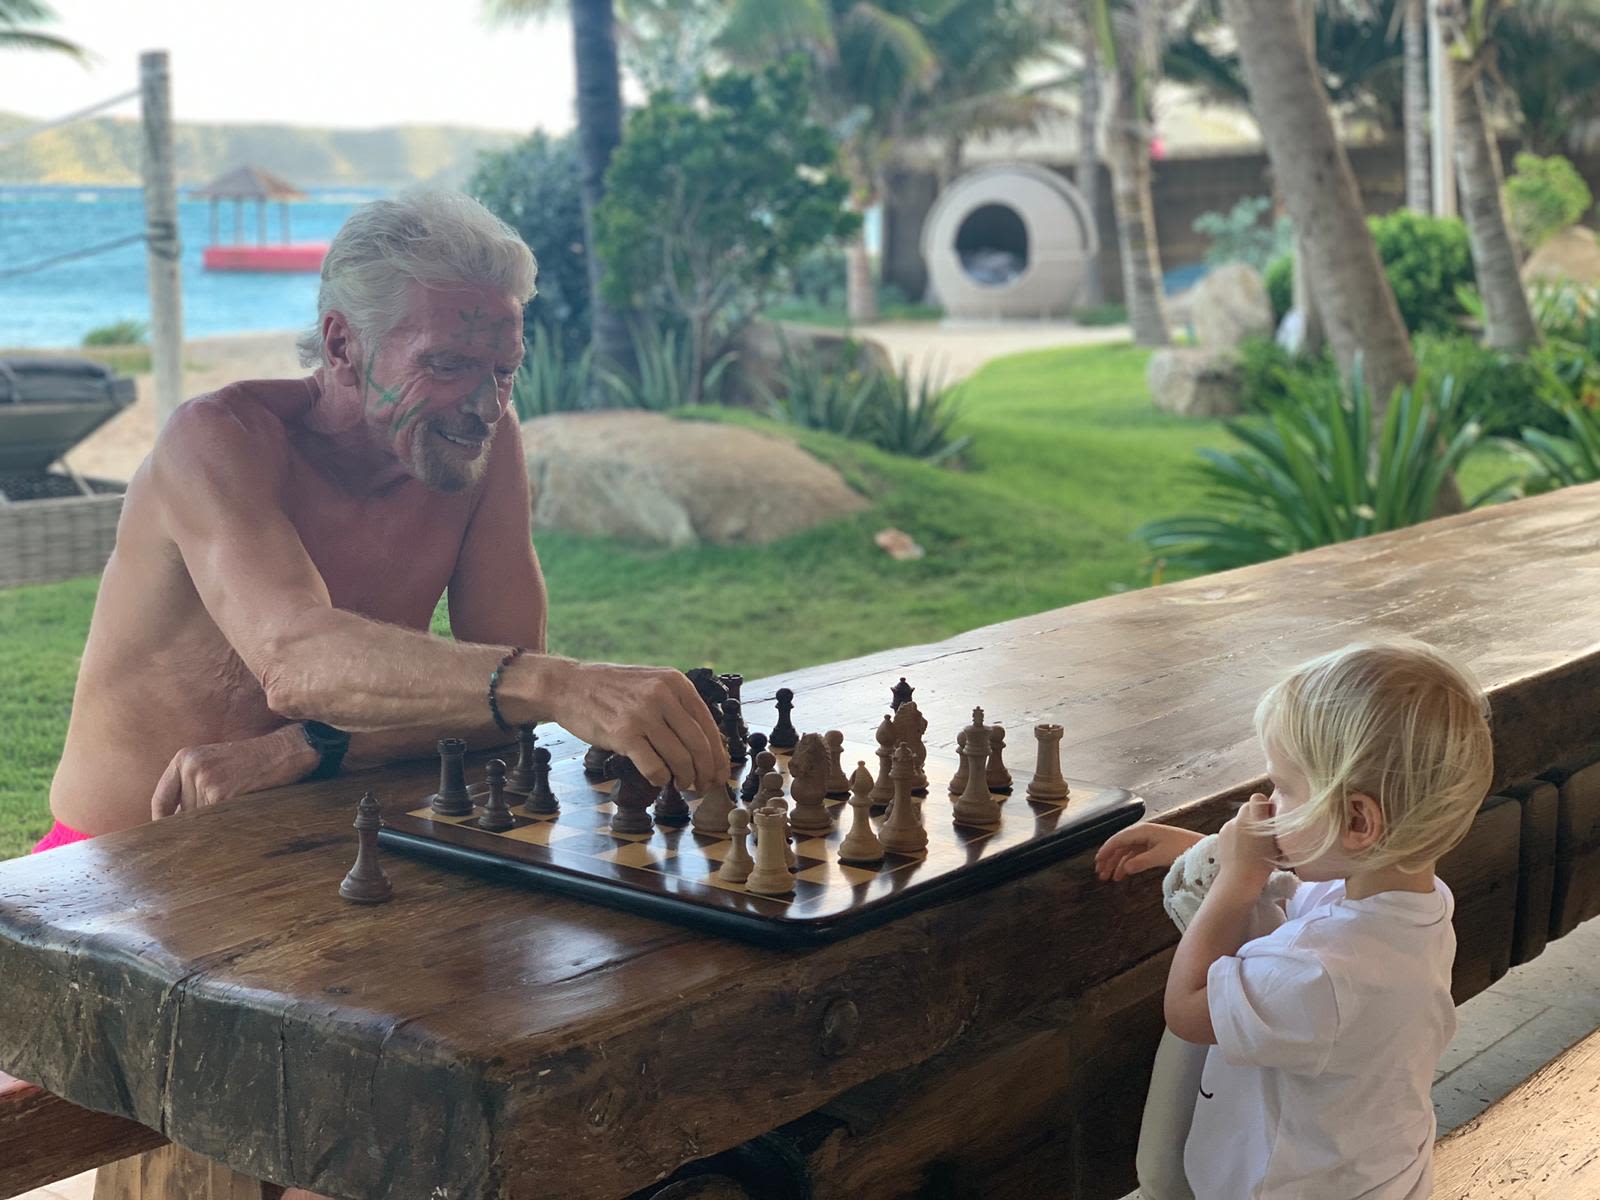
<point x="708" y="203"/>
<point x="1546" y="70"/>
<point x="594" y="46"/>
<point x="19" y="29"/>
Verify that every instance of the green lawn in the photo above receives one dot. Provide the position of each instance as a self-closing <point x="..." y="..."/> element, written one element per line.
<point x="1068" y="458"/>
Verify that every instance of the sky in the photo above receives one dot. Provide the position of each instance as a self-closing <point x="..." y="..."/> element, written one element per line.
<point x="347" y="63"/>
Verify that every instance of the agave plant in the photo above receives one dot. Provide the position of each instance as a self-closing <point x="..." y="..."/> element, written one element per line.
<point x="1561" y="461"/>
<point x="1312" y="474"/>
<point x="916" y="414"/>
<point x="665" y="378"/>
<point x="840" y="398"/>
<point x="549" y="381"/>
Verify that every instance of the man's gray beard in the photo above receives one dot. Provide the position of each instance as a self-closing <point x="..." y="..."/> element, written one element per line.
<point x="439" y="472"/>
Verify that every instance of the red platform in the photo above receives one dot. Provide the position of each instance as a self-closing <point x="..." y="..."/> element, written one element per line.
<point x="298" y="256"/>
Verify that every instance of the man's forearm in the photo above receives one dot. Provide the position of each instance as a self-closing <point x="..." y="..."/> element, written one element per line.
<point x="367" y="677"/>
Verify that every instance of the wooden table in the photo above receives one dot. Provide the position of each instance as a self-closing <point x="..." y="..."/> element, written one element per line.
<point x="202" y="977"/>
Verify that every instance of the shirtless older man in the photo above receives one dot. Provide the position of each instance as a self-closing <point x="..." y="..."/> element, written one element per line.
<point x="282" y="550"/>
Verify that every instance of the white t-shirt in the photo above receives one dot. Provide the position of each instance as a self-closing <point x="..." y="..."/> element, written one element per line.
<point x="1329" y="1030"/>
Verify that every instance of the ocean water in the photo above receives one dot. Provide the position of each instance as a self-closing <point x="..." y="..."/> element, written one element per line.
<point x="56" y="306"/>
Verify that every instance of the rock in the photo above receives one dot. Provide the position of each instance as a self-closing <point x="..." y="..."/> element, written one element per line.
<point x="1229" y="305"/>
<point x="1194" y="382"/>
<point x="644" y="477"/>
<point x="760" y="357"/>
<point x="1571" y="256"/>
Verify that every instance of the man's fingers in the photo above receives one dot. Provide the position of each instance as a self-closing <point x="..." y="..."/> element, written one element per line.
<point x="651" y="765"/>
<point x="696" y="737"/>
<point x="168" y="795"/>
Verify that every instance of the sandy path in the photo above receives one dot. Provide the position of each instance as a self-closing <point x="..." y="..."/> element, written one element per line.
<point x="952" y="350"/>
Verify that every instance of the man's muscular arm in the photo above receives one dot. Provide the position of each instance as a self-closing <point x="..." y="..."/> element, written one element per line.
<point x="218" y="471"/>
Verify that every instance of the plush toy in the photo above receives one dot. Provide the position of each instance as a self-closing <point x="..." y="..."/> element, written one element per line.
<point x="1191" y="876"/>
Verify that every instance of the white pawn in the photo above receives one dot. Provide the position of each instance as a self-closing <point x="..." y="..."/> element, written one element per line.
<point x="958" y="781"/>
<point x="770" y="877"/>
<point x="737" y="866"/>
<point x="838" y="784"/>
<point x="902" y="832"/>
<point x="861" y="844"/>
<point x="712" y="813"/>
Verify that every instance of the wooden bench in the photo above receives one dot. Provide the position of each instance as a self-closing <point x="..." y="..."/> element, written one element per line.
<point x="44" y="1139"/>
<point x="1540" y="1142"/>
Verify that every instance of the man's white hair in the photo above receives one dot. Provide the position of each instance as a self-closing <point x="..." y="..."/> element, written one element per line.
<point x="435" y="238"/>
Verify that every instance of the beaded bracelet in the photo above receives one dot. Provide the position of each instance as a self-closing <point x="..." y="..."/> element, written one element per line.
<point x="494" y="686"/>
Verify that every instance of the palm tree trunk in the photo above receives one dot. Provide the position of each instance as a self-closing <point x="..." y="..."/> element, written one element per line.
<point x="1128" y="147"/>
<point x="1309" y="164"/>
<point x="1087" y="175"/>
<point x="1419" y="194"/>
<point x="594" y="46"/>
<point x="861" y="290"/>
<point x="1313" y="337"/>
<point x="1507" y="316"/>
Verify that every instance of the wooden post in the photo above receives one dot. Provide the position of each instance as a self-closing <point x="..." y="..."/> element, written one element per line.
<point x="163" y="249"/>
<point x="261" y="222"/>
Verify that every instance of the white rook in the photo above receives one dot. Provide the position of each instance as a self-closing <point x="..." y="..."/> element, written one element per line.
<point x="1048" y="783"/>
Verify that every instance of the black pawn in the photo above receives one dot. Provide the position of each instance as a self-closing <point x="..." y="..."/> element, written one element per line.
<point x="366" y="883"/>
<point x="900" y="693"/>
<point x="496" y="817"/>
<point x="541" y="799"/>
<point x="594" y="762"/>
<point x="762" y="760"/>
<point x="520" y="778"/>
<point x="671" y="808"/>
<point x="784" y="736"/>
<point x="735" y="732"/>
<point x="631" y="801"/>
<point x="451" y="800"/>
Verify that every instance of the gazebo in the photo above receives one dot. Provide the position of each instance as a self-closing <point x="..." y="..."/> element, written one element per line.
<point x="253" y="183"/>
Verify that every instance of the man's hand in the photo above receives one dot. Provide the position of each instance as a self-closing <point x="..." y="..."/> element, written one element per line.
<point x="1246" y="849"/>
<point x="202" y="775"/>
<point x="1140" y="847"/>
<point x="652" y="715"/>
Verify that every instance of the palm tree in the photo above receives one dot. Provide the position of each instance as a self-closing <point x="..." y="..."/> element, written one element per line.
<point x="1130" y="40"/>
<point x="871" y="59"/>
<point x="1418" y="176"/>
<point x="1547" y="70"/>
<point x="1309" y="163"/>
<point x="1087" y="175"/>
<point x="13" y="36"/>
<point x="1469" y="29"/>
<point x="594" y="45"/>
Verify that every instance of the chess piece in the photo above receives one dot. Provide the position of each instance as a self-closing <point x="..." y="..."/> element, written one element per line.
<point x="770" y="875"/>
<point x="709" y="688"/>
<point x="909" y="725"/>
<point x="1048" y="783"/>
<point x="784" y="736"/>
<point x="771" y="789"/>
<point x="594" y="762"/>
<point x="861" y="844"/>
<point x="808" y="777"/>
<point x="883" y="787"/>
<point x="998" y="775"/>
<point x="735" y="733"/>
<point x="712" y="813"/>
<point x="451" y="800"/>
<point x="902" y="831"/>
<point x="958" y="781"/>
<point x="737" y="866"/>
<point x="838" y="785"/>
<point x="975" y="806"/>
<point x="366" y="883"/>
<point x="763" y="760"/>
<point x="900" y="693"/>
<point x="780" y="804"/>
<point x="496" y="817"/>
<point x="631" y="801"/>
<point x="520" y="778"/>
<point x="733" y="681"/>
<point x="672" y="810"/>
<point x="541" y="800"/>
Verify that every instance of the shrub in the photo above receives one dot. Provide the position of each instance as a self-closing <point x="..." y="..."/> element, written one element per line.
<point x="1268" y="372"/>
<point x="119" y="333"/>
<point x="552" y="379"/>
<point x="533" y="187"/>
<point x="1561" y="460"/>
<point x="1311" y="475"/>
<point x="819" y="278"/>
<point x="1427" y="259"/>
<point x="665" y="375"/>
<point x="1504" y="393"/>
<point x="917" y="415"/>
<point x="1544" y="196"/>
<point x="1239" y="235"/>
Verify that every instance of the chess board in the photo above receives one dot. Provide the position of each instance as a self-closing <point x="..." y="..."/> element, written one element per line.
<point x="671" y="873"/>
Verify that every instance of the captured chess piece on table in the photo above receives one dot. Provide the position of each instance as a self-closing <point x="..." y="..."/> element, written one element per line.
<point x="367" y="883"/>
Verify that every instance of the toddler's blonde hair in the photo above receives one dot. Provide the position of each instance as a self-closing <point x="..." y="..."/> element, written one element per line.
<point x="1397" y="721"/>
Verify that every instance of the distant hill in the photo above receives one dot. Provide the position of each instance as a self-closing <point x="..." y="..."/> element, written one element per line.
<point x="105" y="150"/>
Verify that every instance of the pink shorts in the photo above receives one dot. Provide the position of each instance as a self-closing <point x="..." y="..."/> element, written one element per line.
<point x="59" y="835"/>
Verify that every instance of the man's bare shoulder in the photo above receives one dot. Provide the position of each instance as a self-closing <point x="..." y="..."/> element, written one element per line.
<point x="251" y="418"/>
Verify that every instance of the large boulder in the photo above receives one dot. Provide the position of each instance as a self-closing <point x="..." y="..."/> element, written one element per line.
<point x="644" y="477"/>
<point x="1195" y="382"/>
<point x="1571" y="256"/>
<point x="1229" y="305"/>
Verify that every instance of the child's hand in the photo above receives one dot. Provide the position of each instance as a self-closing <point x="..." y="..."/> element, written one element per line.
<point x="1244" y="848"/>
<point x="1140" y="847"/>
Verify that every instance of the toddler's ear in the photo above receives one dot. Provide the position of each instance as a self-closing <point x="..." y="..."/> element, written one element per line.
<point x="1365" y="824"/>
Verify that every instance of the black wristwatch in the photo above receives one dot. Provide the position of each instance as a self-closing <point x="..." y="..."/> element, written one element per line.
<point x="330" y="743"/>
